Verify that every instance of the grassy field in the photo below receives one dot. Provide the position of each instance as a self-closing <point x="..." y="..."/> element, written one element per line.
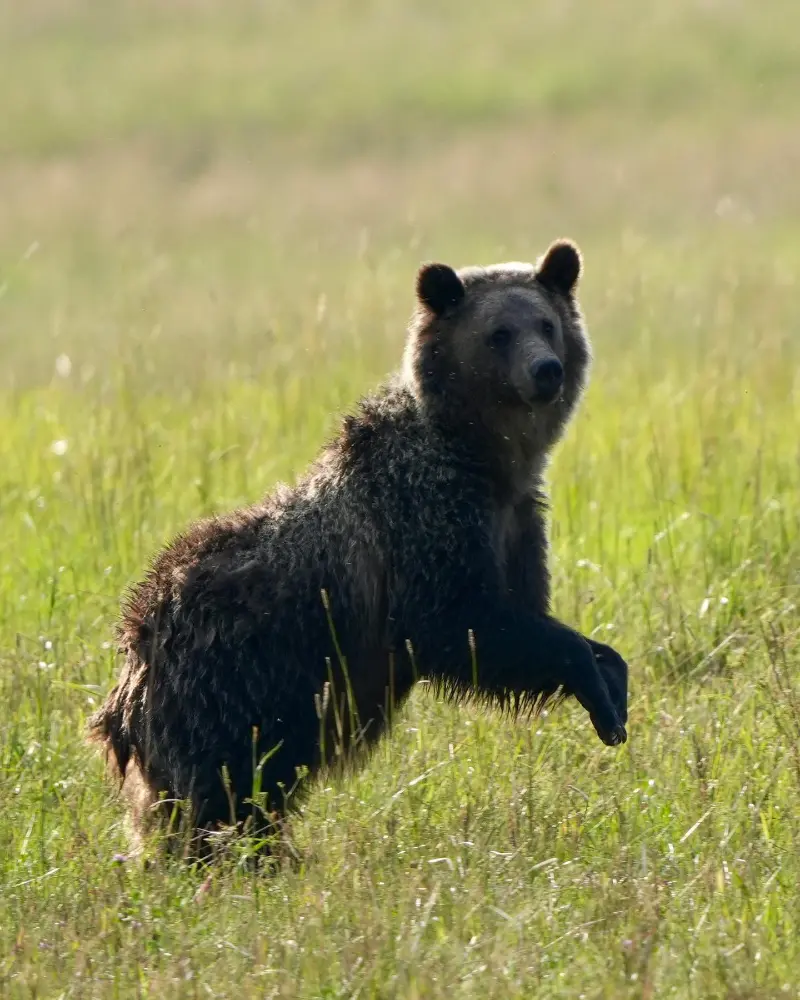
<point x="210" y="220"/>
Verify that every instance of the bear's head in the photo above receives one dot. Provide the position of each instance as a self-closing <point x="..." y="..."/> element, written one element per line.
<point x="504" y="346"/>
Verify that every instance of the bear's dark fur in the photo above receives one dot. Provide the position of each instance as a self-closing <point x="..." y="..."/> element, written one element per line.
<point x="415" y="546"/>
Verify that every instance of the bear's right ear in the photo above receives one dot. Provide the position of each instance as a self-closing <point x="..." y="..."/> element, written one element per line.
<point x="439" y="288"/>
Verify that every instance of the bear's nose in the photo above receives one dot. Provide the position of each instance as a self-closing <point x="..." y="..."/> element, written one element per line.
<point x="548" y="377"/>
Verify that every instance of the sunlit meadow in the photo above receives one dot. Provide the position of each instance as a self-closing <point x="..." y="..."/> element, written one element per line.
<point x="210" y="220"/>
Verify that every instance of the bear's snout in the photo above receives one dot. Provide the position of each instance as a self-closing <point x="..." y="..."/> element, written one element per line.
<point x="548" y="377"/>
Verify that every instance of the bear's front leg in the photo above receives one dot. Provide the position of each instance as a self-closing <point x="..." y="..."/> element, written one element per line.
<point x="513" y="651"/>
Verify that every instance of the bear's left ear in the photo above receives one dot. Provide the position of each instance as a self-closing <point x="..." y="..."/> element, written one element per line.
<point x="439" y="287"/>
<point x="560" y="267"/>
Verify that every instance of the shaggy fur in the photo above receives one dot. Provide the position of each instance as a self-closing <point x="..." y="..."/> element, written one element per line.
<point x="415" y="546"/>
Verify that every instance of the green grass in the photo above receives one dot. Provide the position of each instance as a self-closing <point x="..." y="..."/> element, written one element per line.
<point x="216" y="213"/>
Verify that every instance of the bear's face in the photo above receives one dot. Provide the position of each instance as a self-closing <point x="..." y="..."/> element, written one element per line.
<point x="509" y="347"/>
<point x="503" y="338"/>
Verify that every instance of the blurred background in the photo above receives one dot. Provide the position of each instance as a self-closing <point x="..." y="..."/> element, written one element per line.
<point x="237" y="179"/>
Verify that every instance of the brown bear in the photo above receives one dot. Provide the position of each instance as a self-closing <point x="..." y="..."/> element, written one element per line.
<point x="280" y="636"/>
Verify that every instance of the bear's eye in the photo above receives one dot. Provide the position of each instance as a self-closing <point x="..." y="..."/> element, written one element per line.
<point x="548" y="327"/>
<point x="500" y="338"/>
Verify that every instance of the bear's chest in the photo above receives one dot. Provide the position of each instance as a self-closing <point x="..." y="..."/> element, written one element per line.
<point x="506" y="533"/>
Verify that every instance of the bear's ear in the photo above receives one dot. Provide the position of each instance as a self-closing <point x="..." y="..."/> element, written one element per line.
<point x="560" y="267"/>
<point x="439" y="287"/>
